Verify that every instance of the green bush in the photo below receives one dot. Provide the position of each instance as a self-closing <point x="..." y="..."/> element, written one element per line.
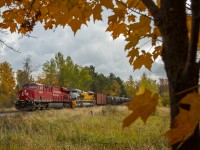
<point x="165" y="99"/>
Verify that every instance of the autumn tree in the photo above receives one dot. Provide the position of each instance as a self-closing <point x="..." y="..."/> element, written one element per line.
<point x="163" y="85"/>
<point x="147" y="83"/>
<point x="164" y="91"/>
<point x="130" y="86"/>
<point x="122" y="87"/>
<point x="84" y="79"/>
<point x="49" y="75"/>
<point x="139" y="21"/>
<point x="25" y="75"/>
<point x="7" y="85"/>
<point x="65" y="73"/>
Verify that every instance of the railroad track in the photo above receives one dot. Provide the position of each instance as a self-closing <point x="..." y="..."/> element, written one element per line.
<point x="8" y="113"/>
<point x="15" y="112"/>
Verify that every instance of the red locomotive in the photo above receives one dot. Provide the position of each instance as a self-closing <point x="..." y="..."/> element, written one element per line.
<point x="38" y="96"/>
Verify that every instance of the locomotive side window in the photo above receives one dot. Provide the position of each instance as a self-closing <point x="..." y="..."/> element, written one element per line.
<point x="32" y="87"/>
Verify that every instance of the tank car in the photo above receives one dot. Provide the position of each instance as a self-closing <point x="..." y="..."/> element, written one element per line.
<point x="115" y="100"/>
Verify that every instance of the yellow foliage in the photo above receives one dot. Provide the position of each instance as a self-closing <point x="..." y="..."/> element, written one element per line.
<point x="141" y="90"/>
<point x="143" y="106"/>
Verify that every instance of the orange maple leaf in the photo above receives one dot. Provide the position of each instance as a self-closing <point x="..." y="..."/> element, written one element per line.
<point x="144" y="59"/>
<point x="107" y="3"/>
<point x="157" y="52"/>
<point x="186" y="121"/>
<point x="132" y="54"/>
<point x="142" y="106"/>
<point x="75" y="25"/>
<point x="97" y="12"/>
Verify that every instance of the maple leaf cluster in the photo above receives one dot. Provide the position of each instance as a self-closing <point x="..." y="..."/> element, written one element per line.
<point x="22" y="15"/>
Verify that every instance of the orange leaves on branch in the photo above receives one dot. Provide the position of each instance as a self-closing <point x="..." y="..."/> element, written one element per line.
<point x="136" y="4"/>
<point x="107" y="3"/>
<point x="53" y="13"/>
<point x="138" y="31"/>
<point x="186" y="121"/>
<point x="154" y="35"/>
<point x="157" y="52"/>
<point x="117" y="29"/>
<point x="132" y="42"/>
<point x="75" y="25"/>
<point x="142" y="106"/>
<point x="132" y="54"/>
<point x="140" y="28"/>
<point x="5" y="3"/>
<point x="97" y="12"/>
<point x="131" y="18"/>
<point x="144" y="59"/>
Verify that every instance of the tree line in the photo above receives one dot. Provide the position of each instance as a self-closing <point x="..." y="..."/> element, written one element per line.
<point x="63" y="72"/>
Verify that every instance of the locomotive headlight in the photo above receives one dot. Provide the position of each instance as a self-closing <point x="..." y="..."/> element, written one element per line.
<point x="24" y="92"/>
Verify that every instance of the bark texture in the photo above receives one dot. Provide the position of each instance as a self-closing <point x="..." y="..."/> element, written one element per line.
<point x="177" y="55"/>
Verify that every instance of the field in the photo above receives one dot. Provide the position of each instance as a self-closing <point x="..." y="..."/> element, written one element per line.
<point x="83" y="128"/>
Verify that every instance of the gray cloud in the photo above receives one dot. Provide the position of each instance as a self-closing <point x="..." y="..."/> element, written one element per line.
<point x="90" y="46"/>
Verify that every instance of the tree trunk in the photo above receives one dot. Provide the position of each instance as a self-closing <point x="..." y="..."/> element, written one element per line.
<point x="175" y="56"/>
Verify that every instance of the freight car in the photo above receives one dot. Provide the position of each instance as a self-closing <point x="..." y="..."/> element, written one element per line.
<point x="38" y="96"/>
<point x="103" y="99"/>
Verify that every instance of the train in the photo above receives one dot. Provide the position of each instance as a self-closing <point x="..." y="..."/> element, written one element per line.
<point x="34" y="96"/>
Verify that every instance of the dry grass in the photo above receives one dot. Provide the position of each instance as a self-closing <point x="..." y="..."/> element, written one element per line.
<point x="83" y="128"/>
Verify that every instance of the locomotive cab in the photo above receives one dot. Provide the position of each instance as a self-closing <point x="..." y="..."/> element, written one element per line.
<point x="26" y="96"/>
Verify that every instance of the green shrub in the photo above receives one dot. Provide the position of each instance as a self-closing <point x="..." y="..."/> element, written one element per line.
<point x="165" y="99"/>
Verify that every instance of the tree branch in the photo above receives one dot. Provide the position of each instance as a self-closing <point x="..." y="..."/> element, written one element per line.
<point x="134" y="10"/>
<point x="192" y="52"/>
<point x="153" y="8"/>
<point x="13" y="49"/>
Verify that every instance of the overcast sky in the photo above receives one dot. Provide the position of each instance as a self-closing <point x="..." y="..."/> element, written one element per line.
<point x="90" y="46"/>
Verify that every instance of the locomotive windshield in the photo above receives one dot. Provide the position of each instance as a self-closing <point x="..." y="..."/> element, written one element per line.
<point x="30" y="87"/>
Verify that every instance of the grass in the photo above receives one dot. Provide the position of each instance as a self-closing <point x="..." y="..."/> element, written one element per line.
<point x="83" y="128"/>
